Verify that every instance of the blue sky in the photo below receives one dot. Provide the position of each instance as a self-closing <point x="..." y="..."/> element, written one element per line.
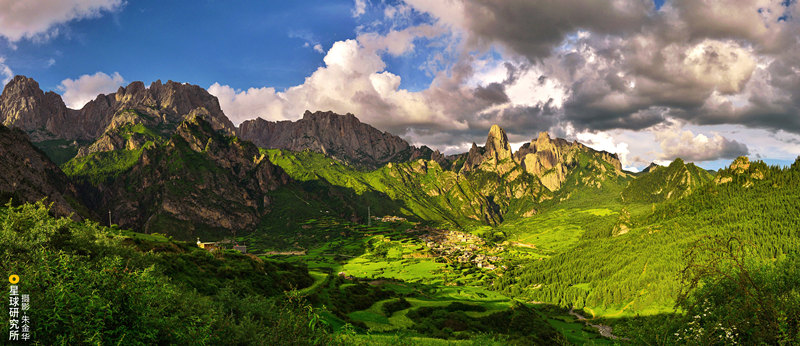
<point x="441" y="73"/>
<point x="254" y="43"/>
<point x="200" y="42"/>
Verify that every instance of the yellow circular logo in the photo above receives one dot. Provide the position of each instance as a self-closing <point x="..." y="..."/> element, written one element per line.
<point x="13" y="279"/>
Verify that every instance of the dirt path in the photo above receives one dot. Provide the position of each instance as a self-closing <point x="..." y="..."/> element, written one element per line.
<point x="283" y="253"/>
<point x="605" y="331"/>
<point x="530" y="246"/>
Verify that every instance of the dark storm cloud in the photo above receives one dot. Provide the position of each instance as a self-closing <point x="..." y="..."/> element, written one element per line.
<point x="533" y="28"/>
<point x="493" y="93"/>
<point x="633" y="66"/>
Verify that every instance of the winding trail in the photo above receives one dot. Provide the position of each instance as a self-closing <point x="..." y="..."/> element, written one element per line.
<point x="605" y="331"/>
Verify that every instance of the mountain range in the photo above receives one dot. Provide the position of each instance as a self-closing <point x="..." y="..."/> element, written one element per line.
<point x="166" y="154"/>
<point x="378" y="233"/>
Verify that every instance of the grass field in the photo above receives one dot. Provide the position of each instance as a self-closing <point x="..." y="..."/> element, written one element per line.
<point x="386" y="258"/>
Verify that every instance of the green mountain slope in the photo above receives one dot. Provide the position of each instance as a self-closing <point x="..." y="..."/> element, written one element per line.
<point x="636" y="272"/>
<point x="675" y="181"/>
<point x="419" y="190"/>
<point x="198" y="182"/>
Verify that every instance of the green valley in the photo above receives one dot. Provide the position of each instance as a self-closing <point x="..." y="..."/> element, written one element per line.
<point x="169" y="225"/>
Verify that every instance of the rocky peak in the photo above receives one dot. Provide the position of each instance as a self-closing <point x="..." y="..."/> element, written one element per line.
<point x="542" y="143"/>
<point x="44" y="115"/>
<point x="343" y="137"/>
<point x="497" y="146"/>
<point x="172" y="102"/>
<point x="21" y="85"/>
<point x="744" y="171"/>
<point x="208" y="181"/>
<point x="548" y="153"/>
<point x="25" y="106"/>
<point x="474" y="158"/>
<point x="329" y="117"/>
<point x="496" y="150"/>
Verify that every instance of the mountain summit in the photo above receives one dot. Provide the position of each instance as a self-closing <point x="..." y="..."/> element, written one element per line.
<point x="497" y="144"/>
<point x="550" y="160"/>
<point x="44" y="116"/>
<point x="343" y="137"/>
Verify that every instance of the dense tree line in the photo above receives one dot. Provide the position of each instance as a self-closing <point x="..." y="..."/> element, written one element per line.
<point x="759" y="205"/>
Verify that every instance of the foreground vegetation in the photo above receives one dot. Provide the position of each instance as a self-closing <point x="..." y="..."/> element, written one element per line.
<point x="89" y="285"/>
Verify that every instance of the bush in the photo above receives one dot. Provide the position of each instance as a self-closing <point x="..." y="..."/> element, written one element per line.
<point x="391" y="307"/>
<point x="88" y="287"/>
<point x="729" y="298"/>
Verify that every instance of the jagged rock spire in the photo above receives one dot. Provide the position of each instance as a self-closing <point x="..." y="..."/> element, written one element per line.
<point x="497" y="146"/>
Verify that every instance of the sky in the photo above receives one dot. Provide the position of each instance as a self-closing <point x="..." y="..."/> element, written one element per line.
<point x="703" y="80"/>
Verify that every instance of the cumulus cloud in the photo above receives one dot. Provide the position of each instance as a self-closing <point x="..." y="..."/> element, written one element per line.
<point x="534" y="28"/>
<point x="354" y="80"/>
<point x="690" y="147"/>
<point x="241" y="105"/>
<point x="571" y="67"/>
<point x="625" y="65"/>
<point x="77" y="92"/>
<point x="33" y="18"/>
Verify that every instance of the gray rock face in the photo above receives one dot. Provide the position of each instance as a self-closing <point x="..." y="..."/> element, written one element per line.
<point x="44" y="116"/>
<point x="202" y="179"/>
<point x="497" y="146"/>
<point x="343" y="137"/>
<point x="25" y="106"/>
<point x="27" y="175"/>
<point x="474" y="158"/>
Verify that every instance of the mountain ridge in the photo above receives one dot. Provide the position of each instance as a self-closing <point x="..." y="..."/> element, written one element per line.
<point x="22" y="101"/>
<point x="343" y="137"/>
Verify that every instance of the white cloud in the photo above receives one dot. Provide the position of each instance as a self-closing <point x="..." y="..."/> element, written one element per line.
<point x="534" y="88"/>
<point x="35" y="18"/>
<point x="353" y="80"/>
<point x="397" y="42"/>
<point x="360" y="8"/>
<point x="448" y="12"/>
<point x="351" y="58"/>
<point x="77" y="92"/>
<point x="625" y="70"/>
<point x="676" y="143"/>
<point x="726" y="66"/>
<point x="318" y="48"/>
<point x="241" y="105"/>
<point x="5" y="71"/>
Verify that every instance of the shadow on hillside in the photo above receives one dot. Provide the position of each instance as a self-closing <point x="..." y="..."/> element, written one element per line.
<point x="305" y="214"/>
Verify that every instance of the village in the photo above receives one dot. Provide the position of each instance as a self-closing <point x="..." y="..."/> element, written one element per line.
<point x="221" y="245"/>
<point x="461" y="247"/>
